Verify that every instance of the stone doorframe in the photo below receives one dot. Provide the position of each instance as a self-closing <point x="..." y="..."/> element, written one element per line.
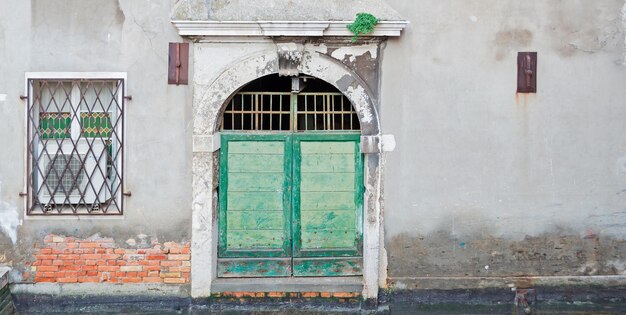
<point x="208" y="105"/>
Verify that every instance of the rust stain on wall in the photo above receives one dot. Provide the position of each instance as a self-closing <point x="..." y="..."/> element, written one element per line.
<point x="510" y="40"/>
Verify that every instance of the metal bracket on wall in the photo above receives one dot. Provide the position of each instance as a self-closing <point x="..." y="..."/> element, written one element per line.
<point x="527" y="72"/>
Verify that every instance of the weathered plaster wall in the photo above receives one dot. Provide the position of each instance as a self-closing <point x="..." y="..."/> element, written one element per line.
<point x="279" y="10"/>
<point x="485" y="182"/>
<point x="107" y="36"/>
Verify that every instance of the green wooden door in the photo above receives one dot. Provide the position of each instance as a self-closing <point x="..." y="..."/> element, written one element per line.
<point x="255" y="206"/>
<point x="290" y="205"/>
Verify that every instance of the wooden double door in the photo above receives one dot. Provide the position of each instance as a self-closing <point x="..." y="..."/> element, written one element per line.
<point x="290" y="204"/>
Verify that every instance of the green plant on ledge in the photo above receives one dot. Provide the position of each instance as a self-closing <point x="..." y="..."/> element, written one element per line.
<point x="363" y="24"/>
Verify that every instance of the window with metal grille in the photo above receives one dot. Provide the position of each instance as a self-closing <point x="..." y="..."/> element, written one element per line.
<point x="319" y="107"/>
<point x="75" y="145"/>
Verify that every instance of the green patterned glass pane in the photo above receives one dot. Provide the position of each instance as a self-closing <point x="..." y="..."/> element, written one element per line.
<point x="96" y="124"/>
<point x="54" y="125"/>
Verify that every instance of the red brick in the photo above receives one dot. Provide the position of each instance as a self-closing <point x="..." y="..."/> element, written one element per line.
<point x="70" y="274"/>
<point x="171" y="244"/>
<point x="132" y="274"/>
<point x="310" y="294"/>
<point x="120" y="263"/>
<point x="90" y="262"/>
<point x="152" y="279"/>
<point x="92" y="273"/>
<point x="178" y="257"/>
<point x="152" y="274"/>
<point x="89" y="245"/>
<point x="45" y="257"/>
<point x="180" y="269"/>
<point x="120" y="251"/>
<point x="176" y="250"/>
<point x="276" y="294"/>
<point x="131" y="280"/>
<point x="131" y="268"/>
<point x="67" y="280"/>
<point x="174" y="280"/>
<point x="69" y="268"/>
<point x="110" y="256"/>
<point x="325" y="294"/>
<point x="170" y="275"/>
<point x="88" y="279"/>
<point x="69" y="257"/>
<point x="90" y="256"/>
<point x="88" y="268"/>
<point x="48" y="268"/>
<point x="45" y="279"/>
<point x="233" y="294"/>
<point x="152" y="268"/>
<point x="46" y="251"/>
<point x="345" y="294"/>
<point x="108" y="268"/>
<point x="149" y="262"/>
<point x="100" y="251"/>
<point x="156" y="257"/>
<point x="167" y="263"/>
<point x="46" y="262"/>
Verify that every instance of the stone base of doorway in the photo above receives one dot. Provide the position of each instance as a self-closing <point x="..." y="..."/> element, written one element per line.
<point x="303" y="284"/>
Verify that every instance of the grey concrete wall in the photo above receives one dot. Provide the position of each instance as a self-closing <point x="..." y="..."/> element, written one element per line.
<point x="487" y="182"/>
<point x="107" y="36"/>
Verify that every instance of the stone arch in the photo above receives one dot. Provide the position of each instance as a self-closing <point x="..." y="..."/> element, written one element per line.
<point x="208" y="107"/>
<point x="215" y="96"/>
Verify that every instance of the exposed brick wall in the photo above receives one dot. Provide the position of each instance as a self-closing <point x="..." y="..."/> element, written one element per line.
<point x="97" y="259"/>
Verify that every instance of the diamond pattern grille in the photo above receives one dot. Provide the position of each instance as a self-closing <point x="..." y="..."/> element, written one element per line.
<point x="75" y="146"/>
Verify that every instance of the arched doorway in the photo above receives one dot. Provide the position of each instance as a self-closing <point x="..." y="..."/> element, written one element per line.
<point x="291" y="181"/>
<point x="212" y="94"/>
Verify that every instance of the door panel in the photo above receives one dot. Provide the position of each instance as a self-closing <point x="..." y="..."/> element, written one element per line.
<point x="327" y="205"/>
<point x="290" y="205"/>
<point x="255" y="206"/>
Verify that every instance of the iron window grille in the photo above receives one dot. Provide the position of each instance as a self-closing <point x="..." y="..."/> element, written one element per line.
<point x="75" y="146"/>
<point x="284" y="111"/>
